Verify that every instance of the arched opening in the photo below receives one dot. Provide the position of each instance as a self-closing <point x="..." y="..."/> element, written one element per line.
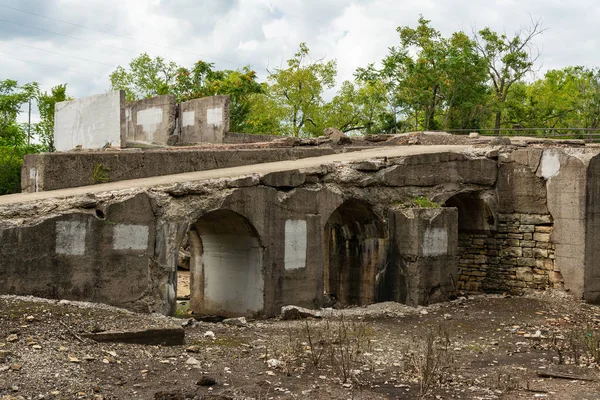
<point x="476" y="242"/>
<point x="225" y="265"/>
<point x="474" y="215"/>
<point x="355" y="250"/>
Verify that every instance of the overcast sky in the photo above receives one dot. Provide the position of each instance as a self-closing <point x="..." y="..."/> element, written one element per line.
<point x="80" y="42"/>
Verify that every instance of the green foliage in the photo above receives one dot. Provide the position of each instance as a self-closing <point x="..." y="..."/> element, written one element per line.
<point x="100" y="174"/>
<point x="508" y="60"/>
<point x="437" y="82"/>
<point x="359" y="106"/>
<point x="148" y="77"/>
<point x="13" y="136"/>
<point x="564" y="98"/>
<point x="293" y="99"/>
<point x="424" y="202"/>
<point x="46" y="102"/>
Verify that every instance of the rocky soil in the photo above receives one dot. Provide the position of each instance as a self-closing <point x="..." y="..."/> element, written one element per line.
<point x="545" y="345"/>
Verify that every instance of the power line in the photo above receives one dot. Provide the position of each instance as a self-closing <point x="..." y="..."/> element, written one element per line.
<point x="68" y="36"/>
<point x="117" y="35"/>
<point x="61" y="54"/>
<point x="50" y="66"/>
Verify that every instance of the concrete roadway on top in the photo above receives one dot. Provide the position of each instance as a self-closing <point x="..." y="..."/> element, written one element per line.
<point x="396" y="151"/>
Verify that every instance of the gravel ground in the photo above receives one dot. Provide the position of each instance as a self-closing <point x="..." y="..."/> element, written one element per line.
<point x="484" y="347"/>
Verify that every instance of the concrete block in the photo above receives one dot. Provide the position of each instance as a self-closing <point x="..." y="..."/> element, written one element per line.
<point x="102" y="255"/>
<point x="204" y="120"/>
<point x="423" y="246"/>
<point x="90" y="122"/>
<point x="151" y="120"/>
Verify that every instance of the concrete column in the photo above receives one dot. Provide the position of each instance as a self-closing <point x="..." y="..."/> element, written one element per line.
<point x="423" y="264"/>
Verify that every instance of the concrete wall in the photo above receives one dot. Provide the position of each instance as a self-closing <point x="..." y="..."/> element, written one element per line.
<point x="288" y="215"/>
<point x="51" y="171"/>
<point x="423" y="265"/>
<point x="100" y="255"/>
<point x="90" y="122"/>
<point x="204" y="120"/>
<point x="150" y="121"/>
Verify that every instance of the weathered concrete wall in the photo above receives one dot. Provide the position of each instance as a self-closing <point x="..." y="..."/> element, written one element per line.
<point x="290" y="214"/>
<point x="293" y="218"/>
<point x="423" y="265"/>
<point x="204" y="120"/>
<point x="41" y="172"/>
<point x="151" y="120"/>
<point x="592" y="232"/>
<point x="565" y="175"/>
<point x="102" y="255"/>
<point x="90" y="122"/>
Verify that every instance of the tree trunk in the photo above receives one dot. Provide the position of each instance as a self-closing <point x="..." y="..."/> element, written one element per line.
<point x="497" y="124"/>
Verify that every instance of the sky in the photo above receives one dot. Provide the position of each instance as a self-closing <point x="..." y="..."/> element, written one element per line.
<point x="80" y="42"/>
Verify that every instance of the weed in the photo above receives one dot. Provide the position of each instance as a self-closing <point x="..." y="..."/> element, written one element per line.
<point x="578" y="346"/>
<point x="424" y="202"/>
<point x="100" y="174"/>
<point x="429" y="360"/>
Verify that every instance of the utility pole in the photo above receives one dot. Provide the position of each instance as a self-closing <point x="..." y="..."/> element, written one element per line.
<point x="29" y="126"/>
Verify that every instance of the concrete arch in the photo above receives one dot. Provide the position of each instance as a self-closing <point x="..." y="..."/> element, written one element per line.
<point x="355" y="247"/>
<point x="477" y="271"/>
<point x="226" y="265"/>
<point x="474" y="213"/>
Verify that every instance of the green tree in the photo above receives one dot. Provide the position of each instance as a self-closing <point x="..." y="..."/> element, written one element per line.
<point x="508" y="59"/>
<point x="296" y="93"/>
<point x="13" y="136"/>
<point x="359" y="106"/>
<point x="145" y="77"/>
<point x="438" y="81"/>
<point x="46" y="103"/>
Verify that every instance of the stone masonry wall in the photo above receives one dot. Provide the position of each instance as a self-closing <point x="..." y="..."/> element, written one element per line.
<point x="518" y="255"/>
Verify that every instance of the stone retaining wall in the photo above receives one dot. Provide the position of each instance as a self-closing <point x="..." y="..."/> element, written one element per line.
<point x="518" y="255"/>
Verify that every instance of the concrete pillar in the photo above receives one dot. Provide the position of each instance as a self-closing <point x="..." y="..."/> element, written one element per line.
<point x="423" y="264"/>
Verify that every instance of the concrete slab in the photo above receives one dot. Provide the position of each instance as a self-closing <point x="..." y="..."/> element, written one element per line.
<point x="90" y="122"/>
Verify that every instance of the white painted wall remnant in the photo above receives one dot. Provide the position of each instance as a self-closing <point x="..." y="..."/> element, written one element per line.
<point x="435" y="242"/>
<point x="295" y="244"/>
<point x="70" y="237"/>
<point x="150" y="119"/>
<point x="33" y="175"/>
<point x="550" y="164"/>
<point x="233" y="279"/>
<point x="214" y="116"/>
<point x="188" y="118"/>
<point x="89" y="122"/>
<point x="130" y="237"/>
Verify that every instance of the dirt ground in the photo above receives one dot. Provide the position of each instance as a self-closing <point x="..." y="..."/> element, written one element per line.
<point x="482" y="347"/>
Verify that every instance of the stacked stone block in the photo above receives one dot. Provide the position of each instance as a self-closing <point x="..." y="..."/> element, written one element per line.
<point x="517" y="255"/>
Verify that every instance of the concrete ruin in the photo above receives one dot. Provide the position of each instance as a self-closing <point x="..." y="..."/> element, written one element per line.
<point x="510" y="219"/>
<point x="107" y="120"/>
<point x="91" y="122"/>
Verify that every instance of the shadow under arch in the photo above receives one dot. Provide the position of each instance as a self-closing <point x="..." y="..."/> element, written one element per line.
<point x="476" y="229"/>
<point x="355" y="247"/>
<point x="226" y="265"/>
<point x="474" y="215"/>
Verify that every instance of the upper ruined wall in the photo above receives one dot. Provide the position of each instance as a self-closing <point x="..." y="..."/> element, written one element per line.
<point x="91" y="122"/>
<point x="107" y="120"/>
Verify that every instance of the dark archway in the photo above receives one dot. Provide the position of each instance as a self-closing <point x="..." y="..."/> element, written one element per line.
<point x="355" y="254"/>
<point x="474" y="215"/>
<point x="476" y="226"/>
<point x="225" y="265"/>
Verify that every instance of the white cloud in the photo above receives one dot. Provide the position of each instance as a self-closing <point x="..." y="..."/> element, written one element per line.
<point x="262" y="33"/>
